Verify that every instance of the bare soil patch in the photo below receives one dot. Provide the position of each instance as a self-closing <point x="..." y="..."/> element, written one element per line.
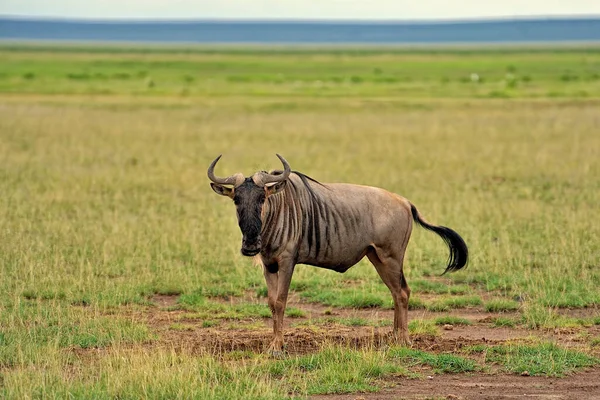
<point x="179" y="329"/>
<point x="304" y="340"/>
<point x="586" y="312"/>
<point x="164" y="301"/>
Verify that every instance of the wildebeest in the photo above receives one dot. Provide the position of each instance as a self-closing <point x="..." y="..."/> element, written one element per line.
<point x="288" y="218"/>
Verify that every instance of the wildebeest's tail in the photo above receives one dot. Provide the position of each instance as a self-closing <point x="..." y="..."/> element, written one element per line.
<point x="459" y="253"/>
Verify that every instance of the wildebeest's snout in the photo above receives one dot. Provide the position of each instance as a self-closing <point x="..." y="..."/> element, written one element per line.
<point x="250" y="247"/>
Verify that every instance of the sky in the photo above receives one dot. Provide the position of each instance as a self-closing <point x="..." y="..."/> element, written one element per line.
<point x="298" y="9"/>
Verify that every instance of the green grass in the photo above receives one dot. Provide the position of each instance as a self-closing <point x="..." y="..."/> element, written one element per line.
<point x="435" y="287"/>
<point x="304" y="74"/>
<point x="36" y="332"/>
<point x="133" y="373"/>
<point x="499" y="305"/>
<point x="209" y="323"/>
<point x="504" y="322"/>
<point x="335" y="371"/>
<point x="292" y="312"/>
<point x="441" y="363"/>
<point x="105" y="201"/>
<point x="454" y="302"/>
<point x="423" y="327"/>
<point x="535" y="317"/>
<point x="350" y="297"/>
<point x="415" y="303"/>
<point x="425" y="286"/>
<point x="545" y="359"/>
<point x="207" y="308"/>
<point x="182" y="327"/>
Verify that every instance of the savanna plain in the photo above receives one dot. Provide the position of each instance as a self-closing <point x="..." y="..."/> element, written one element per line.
<point x="120" y="269"/>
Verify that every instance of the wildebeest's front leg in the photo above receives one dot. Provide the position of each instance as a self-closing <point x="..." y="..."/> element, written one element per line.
<point x="272" y="277"/>
<point x="278" y="285"/>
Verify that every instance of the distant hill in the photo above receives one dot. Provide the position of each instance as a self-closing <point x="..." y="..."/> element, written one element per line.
<point x="486" y="31"/>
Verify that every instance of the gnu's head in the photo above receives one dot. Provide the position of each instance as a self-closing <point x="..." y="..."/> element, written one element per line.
<point x="249" y="195"/>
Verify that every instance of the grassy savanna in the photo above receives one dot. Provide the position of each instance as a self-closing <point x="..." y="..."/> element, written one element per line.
<point x="302" y="74"/>
<point x="105" y="204"/>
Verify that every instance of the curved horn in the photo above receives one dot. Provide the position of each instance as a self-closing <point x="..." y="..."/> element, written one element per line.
<point x="235" y="179"/>
<point x="264" y="178"/>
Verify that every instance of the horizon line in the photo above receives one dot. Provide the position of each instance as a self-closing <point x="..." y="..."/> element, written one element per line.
<point x="181" y="20"/>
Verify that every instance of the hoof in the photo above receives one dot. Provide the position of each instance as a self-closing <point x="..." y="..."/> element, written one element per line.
<point x="278" y="354"/>
<point x="276" y="350"/>
<point x="384" y="346"/>
<point x="403" y="341"/>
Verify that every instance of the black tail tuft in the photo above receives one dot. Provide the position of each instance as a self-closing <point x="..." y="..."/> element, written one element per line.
<point x="459" y="253"/>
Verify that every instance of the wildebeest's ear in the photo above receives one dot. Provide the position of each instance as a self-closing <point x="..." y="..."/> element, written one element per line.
<point x="276" y="188"/>
<point x="222" y="190"/>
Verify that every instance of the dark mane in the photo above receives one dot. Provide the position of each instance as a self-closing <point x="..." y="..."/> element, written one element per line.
<point x="305" y="178"/>
<point x="314" y="213"/>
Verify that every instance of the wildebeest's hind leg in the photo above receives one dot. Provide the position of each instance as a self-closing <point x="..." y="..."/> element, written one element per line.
<point x="389" y="268"/>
